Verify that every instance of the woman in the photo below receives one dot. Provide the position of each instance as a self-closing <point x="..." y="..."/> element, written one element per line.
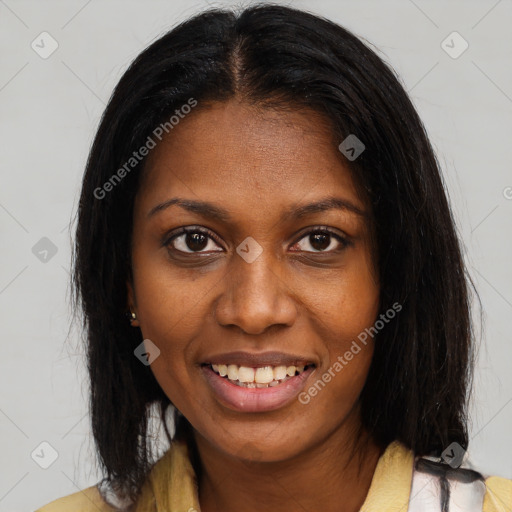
<point x="263" y="203"/>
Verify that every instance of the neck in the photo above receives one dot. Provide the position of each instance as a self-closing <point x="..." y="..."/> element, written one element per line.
<point x="333" y="476"/>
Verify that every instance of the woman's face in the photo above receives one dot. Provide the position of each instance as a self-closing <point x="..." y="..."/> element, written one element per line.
<point x="256" y="284"/>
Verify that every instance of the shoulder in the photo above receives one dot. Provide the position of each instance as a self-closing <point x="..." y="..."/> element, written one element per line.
<point x="87" y="500"/>
<point x="498" y="495"/>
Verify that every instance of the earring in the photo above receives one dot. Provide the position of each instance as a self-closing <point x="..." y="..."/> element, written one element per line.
<point x="133" y="316"/>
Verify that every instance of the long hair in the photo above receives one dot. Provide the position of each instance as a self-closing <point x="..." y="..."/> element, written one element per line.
<point x="271" y="56"/>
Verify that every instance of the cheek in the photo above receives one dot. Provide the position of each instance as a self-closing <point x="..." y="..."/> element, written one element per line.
<point x="170" y="316"/>
<point x="347" y="358"/>
<point x="348" y="302"/>
<point x="172" y="369"/>
<point x="171" y="300"/>
<point x="352" y="309"/>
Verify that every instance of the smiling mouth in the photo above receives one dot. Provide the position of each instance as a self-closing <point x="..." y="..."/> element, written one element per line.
<point x="260" y="377"/>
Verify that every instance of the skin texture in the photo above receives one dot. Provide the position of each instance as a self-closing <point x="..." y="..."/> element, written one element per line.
<point x="296" y="297"/>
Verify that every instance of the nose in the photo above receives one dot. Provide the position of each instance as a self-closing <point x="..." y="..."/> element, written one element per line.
<point x="255" y="297"/>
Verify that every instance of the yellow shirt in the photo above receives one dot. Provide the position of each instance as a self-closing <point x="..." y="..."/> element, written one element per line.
<point x="171" y="487"/>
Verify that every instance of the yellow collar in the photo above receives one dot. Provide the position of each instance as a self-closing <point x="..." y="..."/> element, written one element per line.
<point x="172" y="486"/>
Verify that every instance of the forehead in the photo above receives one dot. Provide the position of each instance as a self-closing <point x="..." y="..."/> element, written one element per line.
<point x="256" y="156"/>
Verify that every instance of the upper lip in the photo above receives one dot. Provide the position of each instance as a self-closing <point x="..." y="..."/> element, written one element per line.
<point x="256" y="360"/>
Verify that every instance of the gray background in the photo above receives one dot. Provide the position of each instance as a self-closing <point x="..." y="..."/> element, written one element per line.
<point x="50" y="109"/>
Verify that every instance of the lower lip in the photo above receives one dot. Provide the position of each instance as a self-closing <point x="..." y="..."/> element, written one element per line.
<point x="244" y="399"/>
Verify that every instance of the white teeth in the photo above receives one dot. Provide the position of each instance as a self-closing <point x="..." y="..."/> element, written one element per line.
<point x="262" y="377"/>
<point x="233" y="372"/>
<point x="246" y="374"/>
<point x="279" y="372"/>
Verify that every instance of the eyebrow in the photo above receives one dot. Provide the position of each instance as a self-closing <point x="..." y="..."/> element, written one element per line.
<point x="295" y="211"/>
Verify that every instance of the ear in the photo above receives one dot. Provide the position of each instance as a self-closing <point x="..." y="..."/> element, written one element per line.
<point x="131" y="303"/>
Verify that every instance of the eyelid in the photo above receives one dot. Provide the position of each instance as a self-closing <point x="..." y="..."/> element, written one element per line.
<point x="321" y="228"/>
<point x="343" y="239"/>
<point x="190" y="229"/>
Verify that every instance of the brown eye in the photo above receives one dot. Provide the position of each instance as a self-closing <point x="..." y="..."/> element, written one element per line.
<point x="320" y="240"/>
<point x="192" y="240"/>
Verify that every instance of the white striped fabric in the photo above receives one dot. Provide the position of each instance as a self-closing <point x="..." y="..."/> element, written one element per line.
<point x="426" y="494"/>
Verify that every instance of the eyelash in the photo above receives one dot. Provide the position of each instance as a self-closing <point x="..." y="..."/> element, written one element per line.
<point x="344" y="242"/>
